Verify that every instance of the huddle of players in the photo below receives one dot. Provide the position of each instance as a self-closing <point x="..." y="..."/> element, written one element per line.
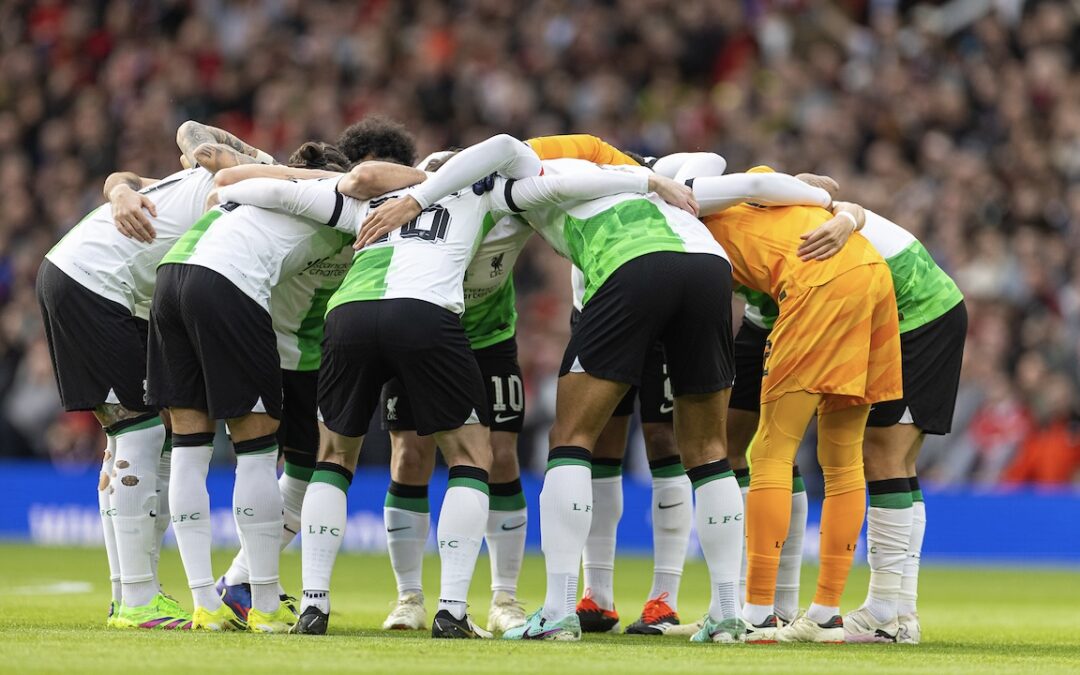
<point x="238" y="318"/>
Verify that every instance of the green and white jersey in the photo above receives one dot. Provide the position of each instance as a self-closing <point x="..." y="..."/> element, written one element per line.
<point x="760" y="310"/>
<point x="924" y="291"/>
<point x="257" y="248"/>
<point x="124" y="270"/>
<point x="490" y="312"/>
<point x="298" y="308"/>
<point x="426" y="258"/>
<point x="599" y="235"/>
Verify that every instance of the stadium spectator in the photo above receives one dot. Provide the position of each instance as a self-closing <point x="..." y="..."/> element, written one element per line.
<point x="965" y="132"/>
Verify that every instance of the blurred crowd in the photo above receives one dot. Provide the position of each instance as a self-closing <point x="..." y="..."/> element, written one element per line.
<point x="959" y="120"/>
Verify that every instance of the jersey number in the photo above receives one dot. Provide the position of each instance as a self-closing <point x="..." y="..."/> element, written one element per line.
<point x="508" y="390"/>
<point x="430" y="225"/>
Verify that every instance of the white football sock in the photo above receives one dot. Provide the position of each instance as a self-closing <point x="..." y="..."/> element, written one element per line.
<point x="138" y="451"/>
<point x="163" y="513"/>
<point x="292" y="491"/>
<point x="505" y="536"/>
<point x="292" y="494"/>
<point x="888" y="531"/>
<point x="190" y="503"/>
<point x="909" y="584"/>
<point x="718" y="516"/>
<point x="257" y="507"/>
<point x="743" y="490"/>
<point x="462" y="520"/>
<point x="788" y="574"/>
<point x="672" y="515"/>
<point x="821" y="613"/>
<point x="406" y="536"/>
<point x="105" y="511"/>
<point x="565" y="521"/>
<point x="323" y="519"/>
<point x="598" y="555"/>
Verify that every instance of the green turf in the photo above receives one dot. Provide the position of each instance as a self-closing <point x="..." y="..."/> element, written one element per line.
<point x="53" y="602"/>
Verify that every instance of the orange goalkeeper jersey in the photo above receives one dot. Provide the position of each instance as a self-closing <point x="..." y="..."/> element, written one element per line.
<point x="762" y="244"/>
<point x="579" y="146"/>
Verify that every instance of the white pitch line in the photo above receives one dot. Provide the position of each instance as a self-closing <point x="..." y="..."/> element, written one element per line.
<point x="56" y="588"/>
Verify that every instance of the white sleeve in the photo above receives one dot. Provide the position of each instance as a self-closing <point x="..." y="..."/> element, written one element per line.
<point x="683" y="165"/>
<point x="501" y="154"/>
<point x="316" y="200"/>
<point x="716" y="193"/>
<point x="527" y="193"/>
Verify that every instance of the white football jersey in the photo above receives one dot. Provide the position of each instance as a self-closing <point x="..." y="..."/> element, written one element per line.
<point x="298" y="307"/>
<point x="258" y="248"/>
<point x="124" y="270"/>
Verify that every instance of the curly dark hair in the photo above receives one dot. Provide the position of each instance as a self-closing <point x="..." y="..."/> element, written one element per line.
<point x="318" y="155"/>
<point x="378" y="137"/>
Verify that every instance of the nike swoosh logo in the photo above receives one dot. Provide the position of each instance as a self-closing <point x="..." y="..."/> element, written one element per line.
<point x="500" y="419"/>
<point x="397" y="529"/>
<point x="516" y="527"/>
<point x="541" y="634"/>
<point x="668" y="506"/>
<point x="665" y="408"/>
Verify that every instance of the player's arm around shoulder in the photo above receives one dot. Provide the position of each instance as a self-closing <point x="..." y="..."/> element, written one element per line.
<point x="130" y="208"/>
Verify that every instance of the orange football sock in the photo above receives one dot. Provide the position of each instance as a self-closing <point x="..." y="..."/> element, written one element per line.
<point x="768" y="503"/>
<point x="840" y="440"/>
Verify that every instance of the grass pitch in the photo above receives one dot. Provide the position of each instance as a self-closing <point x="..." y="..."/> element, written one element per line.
<point x="53" y="602"/>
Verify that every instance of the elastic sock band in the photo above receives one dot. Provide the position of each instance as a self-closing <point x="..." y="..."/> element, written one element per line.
<point x="407" y="498"/>
<point x="606" y="467"/>
<point x="192" y="440"/>
<point x="569" y="455"/>
<point x="891" y="493"/>
<point x="507" y="489"/>
<point x="144" y="421"/>
<point x="706" y="473"/>
<point x="408" y="491"/>
<point x="743" y="476"/>
<point x="887" y="486"/>
<point x="256" y="446"/>
<point x="468" y="477"/>
<point x="667" y="467"/>
<point x="298" y="472"/>
<point x="333" y="474"/>
<point x="166" y="445"/>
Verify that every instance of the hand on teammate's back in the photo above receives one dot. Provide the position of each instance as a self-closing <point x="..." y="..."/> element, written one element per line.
<point x="674" y="193"/>
<point x="386" y="218"/>
<point x="827" y="240"/>
<point x="127" y="208"/>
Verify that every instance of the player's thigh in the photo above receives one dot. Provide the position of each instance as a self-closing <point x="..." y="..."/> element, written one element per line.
<point x="611" y="443"/>
<point x="338" y="448"/>
<point x="701" y="426"/>
<point x="467" y="445"/>
<point x="504" y="460"/>
<point x="583" y="406"/>
<point x="885" y="450"/>
<point x="412" y="457"/>
<point x="741" y="427"/>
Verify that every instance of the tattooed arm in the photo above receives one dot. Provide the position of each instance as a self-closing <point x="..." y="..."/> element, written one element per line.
<point x="128" y="178"/>
<point x="216" y="156"/>
<point x="191" y="135"/>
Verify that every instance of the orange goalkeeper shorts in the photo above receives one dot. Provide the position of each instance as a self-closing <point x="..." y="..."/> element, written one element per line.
<point x="841" y="338"/>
